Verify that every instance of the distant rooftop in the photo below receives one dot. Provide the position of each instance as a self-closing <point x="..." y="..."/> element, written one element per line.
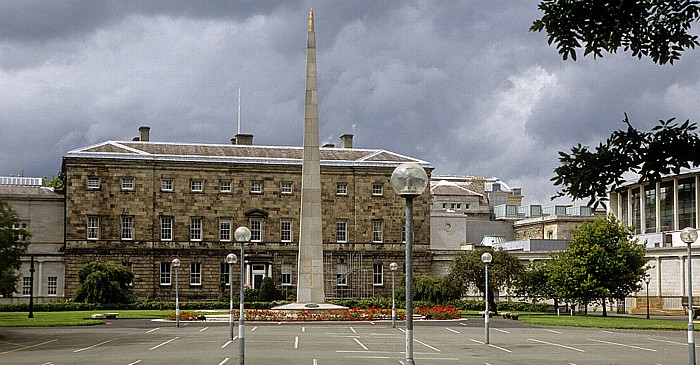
<point x="21" y="181"/>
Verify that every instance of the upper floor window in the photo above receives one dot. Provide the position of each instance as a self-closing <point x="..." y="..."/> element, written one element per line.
<point x="93" y="182"/>
<point x="377" y="230"/>
<point x="286" y="230"/>
<point x="225" y="186"/>
<point x="286" y="187"/>
<point x="377" y="189"/>
<point x="166" y="185"/>
<point x="341" y="189"/>
<point x="256" y="187"/>
<point x="93" y="227"/>
<point x="341" y="231"/>
<point x="127" y="183"/>
<point x="196" y="185"/>
<point x="224" y="229"/>
<point x="256" y="229"/>
<point x="166" y="228"/>
<point x="196" y="229"/>
<point x="127" y="227"/>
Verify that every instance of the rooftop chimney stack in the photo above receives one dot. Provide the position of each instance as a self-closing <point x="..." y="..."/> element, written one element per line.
<point x="144" y="133"/>
<point x="243" y="139"/>
<point x="346" y="141"/>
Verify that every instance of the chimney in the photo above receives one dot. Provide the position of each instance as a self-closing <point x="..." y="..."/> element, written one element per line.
<point x="243" y="139"/>
<point x="144" y="133"/>
<point x="329" y="145"/>
<point x="346" y="141"/>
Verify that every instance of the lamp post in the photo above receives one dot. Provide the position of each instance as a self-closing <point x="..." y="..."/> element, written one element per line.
<point x="486" y="259"/>
<point x="230" y="259"/>
<point x="242" y="235"/>
<point x="646" y="281"/>
<point x="176" y="264"/>
<point x="690" y="235"/>
<point x="393" y="266"/>
<point x="409" y="181"/>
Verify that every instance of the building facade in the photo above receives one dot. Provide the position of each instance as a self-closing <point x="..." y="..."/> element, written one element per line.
<point x="142" y="204"/>
<point x="40" y="210"/>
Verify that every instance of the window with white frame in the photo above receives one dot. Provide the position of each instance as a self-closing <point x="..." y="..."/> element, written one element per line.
<point x="225" y="186"/>
<point x="127" y="227"/>
<point x="224" y="229"/>
<point x="377" y="230"/>
<point x="166" y="228"/>
<point x="196" y="229"/>
<point x="93" y="227"/>
<point x="166" y="185"/>
<point x="341" y="231"/>
<point x="256" y="187"/>
<point x="52" y="285"/>
<point x="286" y="274"/>
<point x="127" y="183"/>
<point x="93" y="182"/>
<point x="26" y="285"/>
<point x="19" y="235"/>
<point x="377" y="189"/>
<point x="286" y="187"/>
<point x="225" y="271"/>
<point x="165" y="277"/>
<point x="256" y="227"/>
<point x="286" y="230"/>
<point x="378" y="274"/>
<point x="195" y="273"/>
<point x="196" y="185"/>
<point x="341" y="189"/>
<point x="342" y="275"/>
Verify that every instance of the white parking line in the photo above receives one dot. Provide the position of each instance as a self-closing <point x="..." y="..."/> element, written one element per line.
<point x="204" y="329"/>
<point x="296" y="342"/>
<point x="553" y="331"/>
<point x="556" y="344"/>
<point x="607" y="332"/>
<point x="93" y="346"/>
<point x="500" y="330"/>
<point x="666" y="341"/>
<point x="353" y="330"/>
<point x="226" y="344"/>
<point x="27" y="347"/>
<point x="155" y="329"/>
<point x="426" y="345"/>
<point x="135" y="362"/>
<point x="163" y="344"/>
<point x="622" y="344"/>
<point x="303" y="329"/>
<point x="223" y="362"/>
<point x="360" y="343"/>
<point x="314" y="362"/>
<point x="491" y="345"/>
<point x="451" y="330"/>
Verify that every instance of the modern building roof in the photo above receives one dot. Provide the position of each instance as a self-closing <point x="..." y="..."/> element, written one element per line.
<point x="443" y="187"/>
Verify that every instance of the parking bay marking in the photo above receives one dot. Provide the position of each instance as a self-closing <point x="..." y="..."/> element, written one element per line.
<point x="163" y="344"/>
<point x="155" y="329"/>
<point x="556" y="344"/>
<point x="360" y="343"/>
<point x="666" y="341"/>
<point x="491" y="345"/>
<point x="451" y="330"/>
<point x="500" y="330"/>
<point x="27" y="347"/>
<point x="622" y="344"/>
<point x="93" y="346"/>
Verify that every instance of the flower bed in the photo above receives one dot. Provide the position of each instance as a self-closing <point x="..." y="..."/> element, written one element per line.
<point x="438" y="312"/>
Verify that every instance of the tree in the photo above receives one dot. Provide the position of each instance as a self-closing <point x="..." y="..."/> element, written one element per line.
<point x="13" y="244"/>
<point x="104" y="283"/>
<point x="535" y="283"/>
<point x="467" y="271"/>
<point x="601" y="262"/>
<point x="651" y="28"/>
<point x="655" y="28"/>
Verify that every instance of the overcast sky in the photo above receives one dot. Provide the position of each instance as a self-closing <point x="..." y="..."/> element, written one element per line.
<point x="461" y="84"/>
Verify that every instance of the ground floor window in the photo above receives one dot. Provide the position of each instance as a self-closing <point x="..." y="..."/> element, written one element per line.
<point x="52" y="287"/>
<point x="26" y="285"/>
<point x="195" y="273"/>
<point x="165" y="273"/>
<point x="286" y="274"/>
<point x="378" y="274"/>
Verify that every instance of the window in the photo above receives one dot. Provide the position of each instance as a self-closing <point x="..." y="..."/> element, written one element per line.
<point x="341" y="277"/>
<point x="127" y="227"/>
<point x="341" y="189"/>
<point x="666" y="206"/>
<point x="195" y="273"/>
<point x="686" y="202"/>
<point x="378" y="274"/>
<point x="166" y="185"/>
<point x="52" y="286"/>
<point x="225" y="273"/>
<point x="255" y="229"/>
<point x="377" y="230"/>
<point x="286" y="187"/>
<point x="286" y="274"/>
<point x="93" y="227"/>
<point x="650" y="208"/>
<point x="127" y="183"/>
<point x="93" y="182"/>
<point x="636" y="211"/>
<point x="341" y="231"/>
<point x="225" y="186"/>
<point x="256" y="187"/>
<point x="377" y="189"/>
<point x="19" y="235"/>
<point x="165" y="273"/>
<point x="196" y="185"/>
<point x="26" y="285"/>
<point x="224" y="229"/>
<point x="444" y="205"/>
<point x="196" y="229"/>
<point x="459" y="205"/>
<point x="166" y="228"/>
<point x="624" y="215"/>
<point x="286" y="230"/>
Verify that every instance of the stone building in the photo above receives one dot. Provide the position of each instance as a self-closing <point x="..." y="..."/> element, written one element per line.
<point x="40" y="211"/>
<point x="142" y="203"/>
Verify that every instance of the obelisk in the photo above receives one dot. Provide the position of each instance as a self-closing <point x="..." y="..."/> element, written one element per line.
<point x="310" y="285"/>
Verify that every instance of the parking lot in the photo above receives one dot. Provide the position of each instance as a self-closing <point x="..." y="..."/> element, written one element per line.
<point x="130" y="342"/>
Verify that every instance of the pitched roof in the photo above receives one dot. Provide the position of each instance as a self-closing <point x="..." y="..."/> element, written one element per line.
<point x="189" y="152"/>
<point x="443" y="187"/>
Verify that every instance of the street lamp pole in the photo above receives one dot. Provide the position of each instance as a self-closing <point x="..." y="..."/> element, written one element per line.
<point x="409" y="180"/>
<point x="690" y="235"/>
<point x="486" y="258"/>
<point x="176" y="264"/>
<point x="646" y="281"/>
<point x="230" y="259"/>
<point x="242" y="235"/>
<point x="393" y="266"/>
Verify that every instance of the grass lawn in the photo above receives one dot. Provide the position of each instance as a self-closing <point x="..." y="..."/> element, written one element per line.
<point x="76" y="318"/>
<point x="604" y="322"/>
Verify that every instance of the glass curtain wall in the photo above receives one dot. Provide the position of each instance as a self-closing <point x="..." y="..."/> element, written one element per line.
<point x="666" y="206"/>
<point x="636" y="211"/>
<point x="686" y="202"/>
<point x="650" y="208"/>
